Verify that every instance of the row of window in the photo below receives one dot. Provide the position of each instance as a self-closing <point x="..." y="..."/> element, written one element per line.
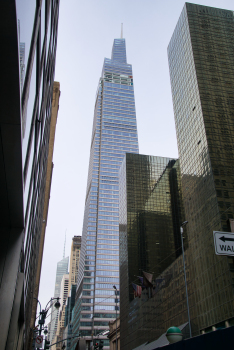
<point x="115" y="255"/>
<point x="118" y="92"/>
<point x="107" y="195"/>
<point x="108" y="227"/>
<point x="105" y="286"/>
<point x="104" y="307"/>
<point x="108" y="237"/>
<point x="107" y="267"/>
<point x="107" y="279"/>
<point x="118" y="148"/>
<point x="128" y="135"/>
<point x="117" y="142"/>
<point x="86" y="324"/>
<point x="114" y="202"/>
<point x="118" y="117"/>
<point x="93" y="238"/>
<point x="101" y="251"/>
<point x="107" y="273"/>
<point x="109" y="109"/>
<point x="109" y="210"/>
<point x="113" y="217"/>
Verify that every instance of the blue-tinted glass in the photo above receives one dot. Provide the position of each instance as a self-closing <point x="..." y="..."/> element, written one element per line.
<point x="114" y="134"/>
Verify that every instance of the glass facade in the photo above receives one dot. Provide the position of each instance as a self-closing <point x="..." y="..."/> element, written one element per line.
<point x="114" y="134"/>
<point x="38" y="24"/>
<point x="201" y="65"/>
<point x="62" y="269"/>
<point x="150" y="215"/>
<point x="29" y="38"/>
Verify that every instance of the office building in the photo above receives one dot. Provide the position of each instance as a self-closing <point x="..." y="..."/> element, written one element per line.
<point x="61" y="313"/>
<point x="201" y="64"/>
<point x="114" y="134"/>
<point x="25" y="124"/>
<point x="49" y="173"/>
<point x="69" y="315"/>
<point x="62" y="270"/>
<point x="70" y="302"/>
<point x="74" y="261"/>
<point x="150" y="214"/>
<point x="64" y="290"/>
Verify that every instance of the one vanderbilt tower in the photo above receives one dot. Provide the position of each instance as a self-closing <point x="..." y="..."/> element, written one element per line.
<point x="114" y="134"/>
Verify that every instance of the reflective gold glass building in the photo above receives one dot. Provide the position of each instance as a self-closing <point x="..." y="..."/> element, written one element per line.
<point x="201" y="63"/>
<point x="150" y="215"/>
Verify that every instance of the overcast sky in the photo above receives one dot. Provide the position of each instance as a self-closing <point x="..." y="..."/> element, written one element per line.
<point x="85" y="36"/>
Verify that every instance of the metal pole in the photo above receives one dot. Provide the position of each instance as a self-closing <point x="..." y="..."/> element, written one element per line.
<point x="116" y="347"/>
<point x="116" y="316"/>
<point x="92" y="345"/>
<point x="182" y="245"/>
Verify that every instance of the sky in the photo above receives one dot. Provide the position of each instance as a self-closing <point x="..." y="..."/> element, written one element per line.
<point x="85" y="36"/>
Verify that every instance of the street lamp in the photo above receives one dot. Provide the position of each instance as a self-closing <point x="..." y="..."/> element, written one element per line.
<point x="185" y="280"/>
<point x="43" y="314"/>
<point x="116" y="314"/>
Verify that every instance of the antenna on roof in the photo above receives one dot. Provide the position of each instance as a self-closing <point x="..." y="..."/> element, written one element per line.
<point x="121" y="30"/>
<point x="64" y="245"/>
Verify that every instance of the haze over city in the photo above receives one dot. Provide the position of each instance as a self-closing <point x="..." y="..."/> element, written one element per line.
<point x="91" y="28"/>
<point x="116" y="164"/>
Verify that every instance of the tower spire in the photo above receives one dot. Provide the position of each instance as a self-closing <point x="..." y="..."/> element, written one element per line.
<point x="64" y="245"/>
<point x="121" y="31"/>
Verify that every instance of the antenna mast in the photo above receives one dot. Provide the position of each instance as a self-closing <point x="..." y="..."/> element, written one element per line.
<point x="121" y="30"/>
<point x="64" y="245"/>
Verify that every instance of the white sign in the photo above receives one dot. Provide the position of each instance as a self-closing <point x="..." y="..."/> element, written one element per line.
<point x="39" y="341"/>
<point x="224" y="243"/>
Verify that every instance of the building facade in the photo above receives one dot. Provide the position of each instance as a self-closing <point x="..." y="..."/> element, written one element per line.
<point x="61" y="313"/>
<point x="62" y="269"/>
<point x="50" y="165"/>
<point x="114" y="334"/>
<point x="201" y="65"/>
<point x="25" y="127"/>
<point x="150" y="214"/>
<point x="70" y="302"/>
<point x="74" y="261"/>
<point x="114" y="134"/>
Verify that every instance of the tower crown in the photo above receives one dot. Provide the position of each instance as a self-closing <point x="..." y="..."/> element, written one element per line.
<point x="119" y="51"/>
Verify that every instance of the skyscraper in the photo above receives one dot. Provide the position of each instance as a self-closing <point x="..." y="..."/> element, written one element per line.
<point x="114" y="134"/>
<point x="150" y="214"/>
<point x="201" y="65"/>
<point x="62" y="269"/>
<point x="73" y="272"/>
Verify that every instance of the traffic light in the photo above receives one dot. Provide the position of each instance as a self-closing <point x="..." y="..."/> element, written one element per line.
<point x="96" y="346"/>
<point x="46" y="344"/>
<point x="101" y="344"/>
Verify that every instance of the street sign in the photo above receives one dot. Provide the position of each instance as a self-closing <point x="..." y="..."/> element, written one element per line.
<point x="224" y="243"/>
<point x="39" y="341"/>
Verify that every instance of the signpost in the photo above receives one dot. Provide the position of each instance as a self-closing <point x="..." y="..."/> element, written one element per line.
<point x="224" y="243"/>
<point x="39" y="341"/>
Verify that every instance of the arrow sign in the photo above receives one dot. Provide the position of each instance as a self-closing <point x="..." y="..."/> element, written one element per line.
<point x="226" y="239"/>
<point x="224" y="243"/>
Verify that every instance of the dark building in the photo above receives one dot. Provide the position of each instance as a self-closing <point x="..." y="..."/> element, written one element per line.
<point x="24" y="131"/>
<point x="150" y="215"/>
<point x="201" y="63"/>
